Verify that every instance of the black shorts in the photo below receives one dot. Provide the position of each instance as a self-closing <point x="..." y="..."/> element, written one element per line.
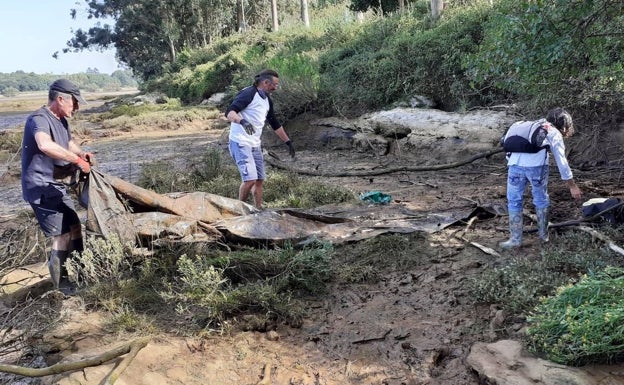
<point x="56" y="214"/>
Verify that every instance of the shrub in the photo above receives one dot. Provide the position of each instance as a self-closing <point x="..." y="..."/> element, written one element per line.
<point x="103" y="261"/>
<point x="10" y="92"/>
<point x="518" y="286"/>
<point x="11" y="141"/>
<point x="582" y="323"/>
<point x="554" y="53"/>
<point x="227" y="284"/>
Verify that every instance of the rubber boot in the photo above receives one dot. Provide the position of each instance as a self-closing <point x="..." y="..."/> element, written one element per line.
<point x="57" y="259"/>
<point x="542" y="224"/>
<point x="58" y="272"/>
<point x="515" y="230"/>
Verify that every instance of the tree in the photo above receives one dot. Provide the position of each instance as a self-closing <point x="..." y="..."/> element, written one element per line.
<point x="436" y="8"/>
<point x="149" y="33"/>
<point x="274" y="15"/>
<point x="304" y="13"/>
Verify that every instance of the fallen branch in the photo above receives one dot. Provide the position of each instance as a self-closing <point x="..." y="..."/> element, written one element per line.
<point x="485" y="249"/>
<point x="63" y="367"/>
<point x="134" y="350"/>
<point x="595" y="233"/>
<point x="266" y="375"/>
<point x="575" y="222"/>
<point x="462" y="237"/>
<point x="278" y="164"/>
<point x="365" y="340"/>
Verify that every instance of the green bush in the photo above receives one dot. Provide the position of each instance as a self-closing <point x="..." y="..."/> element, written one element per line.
<point x="227" y="284"/>
<point x="582" y="323"/>
<point x="518" y="286"/>
<point x="390" y="59"/>
<point x="550" y="53"/>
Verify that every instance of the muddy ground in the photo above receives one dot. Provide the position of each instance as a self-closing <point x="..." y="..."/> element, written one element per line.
<point x="413" y="326"/>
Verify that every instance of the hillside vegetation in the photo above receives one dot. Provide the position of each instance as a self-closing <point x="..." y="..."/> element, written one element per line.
<point x="536" y="54"/>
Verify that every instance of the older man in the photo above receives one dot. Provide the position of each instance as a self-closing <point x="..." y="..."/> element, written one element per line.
<point x="48" y="155"/>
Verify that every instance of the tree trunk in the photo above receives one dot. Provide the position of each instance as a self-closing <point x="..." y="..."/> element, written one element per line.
<point x="240" y="16"/>
<point x="274" y="15"/>
<point x="436" y="8"/>
<point x="401" y="5"/>
<point x="304" y="13"/>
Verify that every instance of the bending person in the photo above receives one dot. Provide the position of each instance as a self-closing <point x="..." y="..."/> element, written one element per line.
<point x="528" y="145"/>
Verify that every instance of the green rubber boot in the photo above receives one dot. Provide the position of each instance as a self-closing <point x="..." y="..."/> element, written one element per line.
<point x="515" y="230"/>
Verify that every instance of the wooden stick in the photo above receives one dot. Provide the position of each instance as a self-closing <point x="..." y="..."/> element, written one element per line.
<point x="266" y="375"/>
<point x="365" y="340"/>
<point x="595" y="233"/>
<point x="135" y="347"/>
<point x="63" y="367"/>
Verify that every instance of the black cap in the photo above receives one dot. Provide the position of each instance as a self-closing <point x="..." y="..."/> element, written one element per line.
<point x="67" y="87"/>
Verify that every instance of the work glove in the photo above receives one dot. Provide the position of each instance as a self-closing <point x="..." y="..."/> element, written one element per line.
<point x="249" y="128"/>
<point x="88" y="157"/>
<point x="291" y="149"/>
<point x="83" y="165"/>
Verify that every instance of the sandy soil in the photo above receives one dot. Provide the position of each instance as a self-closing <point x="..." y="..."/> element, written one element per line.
<point x="413" y="326"/>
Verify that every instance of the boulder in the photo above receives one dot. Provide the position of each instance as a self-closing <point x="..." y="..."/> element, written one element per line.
<point x="506" y="363"/>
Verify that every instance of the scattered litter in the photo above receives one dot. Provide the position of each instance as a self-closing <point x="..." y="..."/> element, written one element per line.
<point x="375" y="197"/>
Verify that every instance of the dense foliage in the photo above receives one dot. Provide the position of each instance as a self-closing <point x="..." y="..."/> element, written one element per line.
<point x="582" y="323"/>
<point x="538" y="53"/>
<point x="477" y="54"/>
<point x="554" y="52"/>
<point x="91" y="81"/>
<point x="148" y="34"/>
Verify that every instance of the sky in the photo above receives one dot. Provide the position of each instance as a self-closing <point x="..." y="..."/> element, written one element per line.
<point x="32" y="30"/>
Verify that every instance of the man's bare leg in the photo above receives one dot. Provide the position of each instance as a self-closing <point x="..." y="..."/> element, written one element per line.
<point x="257" y="193"/>
<point x="245" y="189"/>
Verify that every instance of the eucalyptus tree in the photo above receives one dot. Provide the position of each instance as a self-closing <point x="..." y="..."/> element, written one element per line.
<point x="147" y="34"/>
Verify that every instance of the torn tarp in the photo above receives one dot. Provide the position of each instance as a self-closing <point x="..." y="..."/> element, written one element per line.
<point x="134" y="213"/>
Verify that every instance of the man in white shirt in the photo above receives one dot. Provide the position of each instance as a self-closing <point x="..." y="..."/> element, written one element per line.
<point x="251" y="109"/>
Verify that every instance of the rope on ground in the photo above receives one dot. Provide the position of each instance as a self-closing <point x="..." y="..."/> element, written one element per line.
<point x="283" y="166"/>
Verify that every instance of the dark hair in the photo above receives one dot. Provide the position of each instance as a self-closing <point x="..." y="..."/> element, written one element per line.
<point x="265" y="75"/>
<point x="561" y="119"/>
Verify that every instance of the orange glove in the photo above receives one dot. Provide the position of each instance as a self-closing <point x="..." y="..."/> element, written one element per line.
<point x="83" y="165"/>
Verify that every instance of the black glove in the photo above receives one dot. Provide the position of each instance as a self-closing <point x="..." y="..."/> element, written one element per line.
<point x="249" y="129"/>
<point x="291" y="149"/>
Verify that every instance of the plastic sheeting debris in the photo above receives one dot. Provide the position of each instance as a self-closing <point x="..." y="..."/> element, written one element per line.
<point x="117" y="207"/>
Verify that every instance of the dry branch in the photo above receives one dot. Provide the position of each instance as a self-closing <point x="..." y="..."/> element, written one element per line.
<point x="575" y="222"/>
<point x="278" y="164"/>
<point x="134" y="350"/>
<point x="63" y="367"/>
<point x="595" y="233"/>
<point x="266" y="375"/>
<point x="371" y="339"/>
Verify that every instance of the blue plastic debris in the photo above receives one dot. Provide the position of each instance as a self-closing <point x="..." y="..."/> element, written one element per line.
<point x="375" y="197"/>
